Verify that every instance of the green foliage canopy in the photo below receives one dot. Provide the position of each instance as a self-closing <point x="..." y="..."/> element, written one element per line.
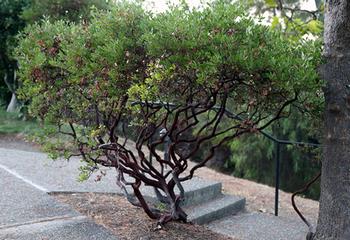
<point x="198" y="48"/>
<point x="83" y="74"/>
<point x="16" y="14"/>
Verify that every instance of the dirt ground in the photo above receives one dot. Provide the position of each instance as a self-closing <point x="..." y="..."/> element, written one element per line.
<point x="129" y="222"/>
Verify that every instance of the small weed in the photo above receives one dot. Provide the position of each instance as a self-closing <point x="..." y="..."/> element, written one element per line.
<point x="161" y="207"/>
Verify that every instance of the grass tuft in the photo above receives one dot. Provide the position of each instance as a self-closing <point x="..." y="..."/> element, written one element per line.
<point x="11" y="123"/>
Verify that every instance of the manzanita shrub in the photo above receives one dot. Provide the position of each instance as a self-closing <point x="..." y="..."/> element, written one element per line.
<point x="175" y="77"/>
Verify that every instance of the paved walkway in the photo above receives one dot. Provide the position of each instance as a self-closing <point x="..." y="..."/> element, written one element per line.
<point x="28" y="212"/>
<point x="52" y="176"/>
<point x="260" y="226"/>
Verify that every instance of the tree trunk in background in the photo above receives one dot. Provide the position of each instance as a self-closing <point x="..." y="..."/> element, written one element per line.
<point x="12" y="86"/>
<point x="12" y="107"/>
<point x="318" y="3"/>
<point x="334" y="214"/>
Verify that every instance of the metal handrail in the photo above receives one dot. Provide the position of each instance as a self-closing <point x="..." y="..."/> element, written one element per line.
<point x="269" y="136"/>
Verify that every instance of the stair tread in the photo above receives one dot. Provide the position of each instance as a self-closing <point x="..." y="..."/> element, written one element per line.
<point x="217" y="203"/>
<point x="227" y="203"/>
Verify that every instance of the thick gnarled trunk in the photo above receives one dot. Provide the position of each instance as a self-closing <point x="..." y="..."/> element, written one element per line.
<point x="334" y="216"/>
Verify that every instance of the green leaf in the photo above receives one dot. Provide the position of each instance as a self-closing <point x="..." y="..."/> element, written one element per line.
<point x="275" y="22"/>
<point x="271" y="3"/>
<point x="314" y="26"/>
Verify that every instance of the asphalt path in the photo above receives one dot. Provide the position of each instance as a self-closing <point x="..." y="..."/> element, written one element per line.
<point x="27" y="212"/>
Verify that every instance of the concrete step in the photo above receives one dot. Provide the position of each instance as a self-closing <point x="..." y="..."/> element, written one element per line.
<point x="197" y="191"/>
<point x="222" y="206"/>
